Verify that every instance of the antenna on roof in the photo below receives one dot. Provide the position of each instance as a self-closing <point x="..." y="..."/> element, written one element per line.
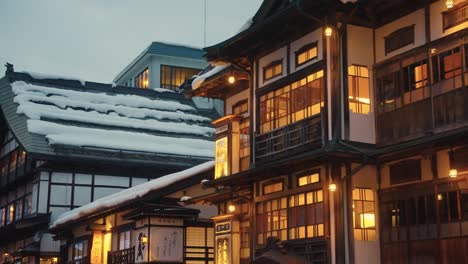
<point x="204" y="31"/>
<point x="9" y="68"/>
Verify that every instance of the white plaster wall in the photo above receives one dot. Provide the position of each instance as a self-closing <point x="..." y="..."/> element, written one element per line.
<point x="314" y="36"/>
<point x="367" y="251"/>
<point x="443" y="163"/>
<point x="361" y="52"/>
<point x="362" y="127"/>
<point x="278" y="54"/>
<point x="437" y="30"/>
<point x="236" y="98"/>
<point x="416" y="18"/>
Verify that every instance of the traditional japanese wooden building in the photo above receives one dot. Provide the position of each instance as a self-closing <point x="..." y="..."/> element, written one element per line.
<point x="345" y="132"/>
<point x="148" y="223"/>
<point x="66" y="142"/>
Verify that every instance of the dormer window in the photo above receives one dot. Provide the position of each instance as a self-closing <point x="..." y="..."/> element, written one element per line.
<point x="399" y="38"/>
<point x="273" y="70"/>
<point x="306" y="53"/>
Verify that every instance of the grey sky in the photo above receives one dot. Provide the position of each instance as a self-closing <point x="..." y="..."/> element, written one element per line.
<point x="95" y="39"/>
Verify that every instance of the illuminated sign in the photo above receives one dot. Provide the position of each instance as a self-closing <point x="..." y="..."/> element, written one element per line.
<point x="96" y="249"/>
<point x="223" y="227"/>
<point x="223" y="254"/>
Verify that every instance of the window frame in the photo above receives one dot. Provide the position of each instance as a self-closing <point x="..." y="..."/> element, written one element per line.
<point x="356" y="89"/>
<point x="305" y="49"/>
<point x="270" y="184"/>
<point x="271" y="66"/>
<point x="275" y="107"/>
<point x="141" y="78"/>
<point x="396" y="40"/>
<point x="307" y="173"/>
<point x="404" y="165"/>
<point x="310" y="204"/>
<point x="173" y="72"/>
<point x="360" y="203"/>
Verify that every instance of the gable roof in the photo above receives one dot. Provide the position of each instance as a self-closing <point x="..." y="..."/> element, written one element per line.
<point x="165" y="49"/>
<point x="131" y="195"/>
<point x="58" y="117"/>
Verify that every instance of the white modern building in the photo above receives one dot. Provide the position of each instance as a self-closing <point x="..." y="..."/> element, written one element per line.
<point x="162" y="65"/>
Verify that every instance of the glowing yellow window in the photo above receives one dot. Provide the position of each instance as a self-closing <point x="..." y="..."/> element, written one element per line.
<point x="308" y="179"/>
<point x="221" y="158"/>
<point x="364" y="214"/>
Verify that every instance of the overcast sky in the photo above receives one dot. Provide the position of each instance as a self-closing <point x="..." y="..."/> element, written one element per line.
<point x="95" y="39"/>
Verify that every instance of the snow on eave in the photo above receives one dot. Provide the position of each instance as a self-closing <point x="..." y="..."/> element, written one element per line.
<point x="198" y="81"/>
<point x="129" y="195"/>
<point x="42" y="76"/>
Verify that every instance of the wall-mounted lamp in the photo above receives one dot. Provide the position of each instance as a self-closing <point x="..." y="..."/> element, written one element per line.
<point x="231" y="208"/>
<point x="453" y="173"/>
<point x="440" y="197"/>
<point x="433" y="50"/>
<point x="144" y="239"/>
<point x="449" y="3"/>
<point x="231" y="79"/>
<point x="328" y="31"/>
<point x="332" y="187"/>
<point x="54" y="260"/>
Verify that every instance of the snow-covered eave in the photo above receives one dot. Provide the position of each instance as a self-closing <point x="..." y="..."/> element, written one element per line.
<point x="212" y="74"/>
<point x="126" y="198"/>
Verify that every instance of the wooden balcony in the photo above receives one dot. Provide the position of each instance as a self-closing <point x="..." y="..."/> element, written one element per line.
<point x="287" y="140"/>
<point x="446" y="110"/>
<point x="124" y="256"/>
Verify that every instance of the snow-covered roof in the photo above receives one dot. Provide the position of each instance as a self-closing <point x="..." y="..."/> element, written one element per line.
<point x="77" y="116"/>
<point x="128" y="195"/>
<point x="214" y="69"/>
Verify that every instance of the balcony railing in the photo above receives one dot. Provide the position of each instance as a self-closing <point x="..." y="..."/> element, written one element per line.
<point x="446" y="110"/>
<point x="124" y="256"/>
<point x="286" y="139"/>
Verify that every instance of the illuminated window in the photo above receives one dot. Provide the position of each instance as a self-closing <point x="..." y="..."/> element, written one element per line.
<point x="294" y="217"/>
<point x="142" y="79"/>
<point x="364" y="214"/>
<point x="308" y="179"/>
<point x="272" y="187"/>
<point x="358" y="88"/>
<point x="198" y="241"/>
<point x="455" y="16"/>
<point x="222" y="158"/>
<point x="399" y="39"/>
<point x="447" y="64"/>
<point x="307" y="53"/>
<point x="172" y="76"/>
<point x="416" y="81"/>
<point x="273" y="70"/>
<point x="292" y="103"/>
<point x="10" y="214"/>
<point x="13" y="161"/>
<point x="244" y="134"/>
